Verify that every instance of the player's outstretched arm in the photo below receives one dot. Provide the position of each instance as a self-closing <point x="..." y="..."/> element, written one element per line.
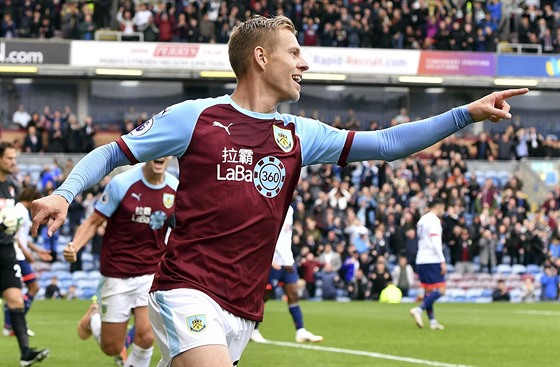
<point x="494" y="107"/>
<point x="405" y="139"/>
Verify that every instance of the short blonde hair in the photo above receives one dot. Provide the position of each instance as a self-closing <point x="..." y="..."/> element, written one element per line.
<point x="258" y="31"/>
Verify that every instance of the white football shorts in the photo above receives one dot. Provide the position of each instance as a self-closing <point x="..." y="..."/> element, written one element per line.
<point x="184" y="319"/>
<point x="117" y="297"/>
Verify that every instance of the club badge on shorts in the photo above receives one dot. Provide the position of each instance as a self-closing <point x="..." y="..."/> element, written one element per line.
<point x="196" y="323"/>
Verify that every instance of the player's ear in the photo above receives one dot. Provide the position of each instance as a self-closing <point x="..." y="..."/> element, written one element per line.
<point x="259" y="55"/>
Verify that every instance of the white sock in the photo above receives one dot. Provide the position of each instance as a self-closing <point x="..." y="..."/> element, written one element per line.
<point x="139" y="357"/>
<point x="95" y="326"/>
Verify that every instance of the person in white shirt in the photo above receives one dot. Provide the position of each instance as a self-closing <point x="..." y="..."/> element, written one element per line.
<point x="430" y="262"/>
<point x="21" y="117"/>
<point x="284" y="271"/>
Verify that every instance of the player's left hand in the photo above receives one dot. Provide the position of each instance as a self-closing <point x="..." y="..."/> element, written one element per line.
<point x="50" y="210"/>
<point x="494" y="107"/>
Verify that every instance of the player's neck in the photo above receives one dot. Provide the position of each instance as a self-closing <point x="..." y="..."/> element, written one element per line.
<point x="154" y="178"/>
<point x="250" y="97"/>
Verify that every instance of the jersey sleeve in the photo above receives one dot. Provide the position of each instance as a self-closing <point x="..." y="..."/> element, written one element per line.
<point x="405" y="139"/>
<point x="166" y="134"/>
<point x="321" y="143"/>
<point x="111" y="197"/>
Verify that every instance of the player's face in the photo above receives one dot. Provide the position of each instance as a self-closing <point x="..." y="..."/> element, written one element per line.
<point x="158" y="166"/>
<point x="284" y="72"/>
<point x="8" y="161"/>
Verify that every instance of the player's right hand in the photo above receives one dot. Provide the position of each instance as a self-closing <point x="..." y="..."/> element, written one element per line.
<point x="50" y="210"/>
<point x="70" y="253"/>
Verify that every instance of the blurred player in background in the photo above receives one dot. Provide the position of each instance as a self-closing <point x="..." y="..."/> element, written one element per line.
<point x="10" y="271"/>
<point x="24" y="246"/>
<point x="240" y="161"/>
<point x="284" y="272"/>
<point x="138" y="206"/>
<point x="430" y="262"/>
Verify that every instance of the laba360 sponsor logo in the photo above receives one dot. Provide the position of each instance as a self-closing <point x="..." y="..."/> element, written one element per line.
<point x="20" y="57"/>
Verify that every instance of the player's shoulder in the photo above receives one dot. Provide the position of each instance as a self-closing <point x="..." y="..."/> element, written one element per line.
<point x="128" y="177"/>
<point x="295" y="119"/>
<point x="171" y="180"/>
<point x="193" y="105"/>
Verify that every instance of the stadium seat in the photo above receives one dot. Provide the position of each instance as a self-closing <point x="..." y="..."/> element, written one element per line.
<point x="518" y="269"/>
<point x="87" y="256"/>
<point x="87" y="293"/>
<point x="63" y="275"/>
<point x="88" y="266"/>
<point x="65" y="284"/>
<point x="40" y="294"/>
<point x="515" y="295"/>
<point x="473" y="294"/>
<point x="60" y="266"/>
<point x="487" y="292"/>
<point x="457" y="294"/>
<point x="94" y="275"/>
<point x="413" y="292"/>
<point x="533" y="269"/>
<point x="504" y="269"/>
<point x="79" y="275"/>
<point x="494" y="176"/>
<point x="83" y="283"/>
<point x="504" y="177"/>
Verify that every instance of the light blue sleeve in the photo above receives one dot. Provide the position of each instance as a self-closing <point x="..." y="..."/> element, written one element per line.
<point x="320" y="143"/>
<point x="91" y="169"/>
<point x="112" y="195"/>
<point x="405" y="139"/>
<point x="168" y="133"/>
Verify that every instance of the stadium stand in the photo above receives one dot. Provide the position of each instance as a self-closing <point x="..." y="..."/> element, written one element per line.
<point x="434" y="25"/>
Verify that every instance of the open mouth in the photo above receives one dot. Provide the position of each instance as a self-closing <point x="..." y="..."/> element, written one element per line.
<point x="296" y="78"/>
<point x="159" y="162"/>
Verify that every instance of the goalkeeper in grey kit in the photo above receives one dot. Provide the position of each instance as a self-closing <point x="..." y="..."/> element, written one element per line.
<point x="10" y="272"/>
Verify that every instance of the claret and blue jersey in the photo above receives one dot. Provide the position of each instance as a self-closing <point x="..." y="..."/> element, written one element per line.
<point x="238" y="172"/>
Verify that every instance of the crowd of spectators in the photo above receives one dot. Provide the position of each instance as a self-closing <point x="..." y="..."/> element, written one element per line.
<point x="54" y="131"/>
<point x="63" y="132"/>
<point x="418" y="24"/>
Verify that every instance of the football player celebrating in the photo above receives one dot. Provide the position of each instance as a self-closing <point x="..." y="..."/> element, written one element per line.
<point x="138" y="206"/>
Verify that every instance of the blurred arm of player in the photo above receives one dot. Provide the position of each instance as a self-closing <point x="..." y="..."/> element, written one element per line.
<point x="28" y="255"/>
<point x="84" y="233"/>
<point x="443" y="268"/>
<point x="52" y="209"/>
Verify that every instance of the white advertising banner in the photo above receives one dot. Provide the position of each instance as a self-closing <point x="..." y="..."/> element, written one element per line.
<point x="361" y="60"/>
<point x="150" y="55"/>
<point x="195" y="56"/>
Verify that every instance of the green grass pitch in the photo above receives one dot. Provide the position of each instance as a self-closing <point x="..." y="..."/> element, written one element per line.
<point x="356" y="334"/>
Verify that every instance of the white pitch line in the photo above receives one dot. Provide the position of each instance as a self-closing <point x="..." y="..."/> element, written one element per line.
<point x="365" y="354"/>
<point x="539" y="312"/>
